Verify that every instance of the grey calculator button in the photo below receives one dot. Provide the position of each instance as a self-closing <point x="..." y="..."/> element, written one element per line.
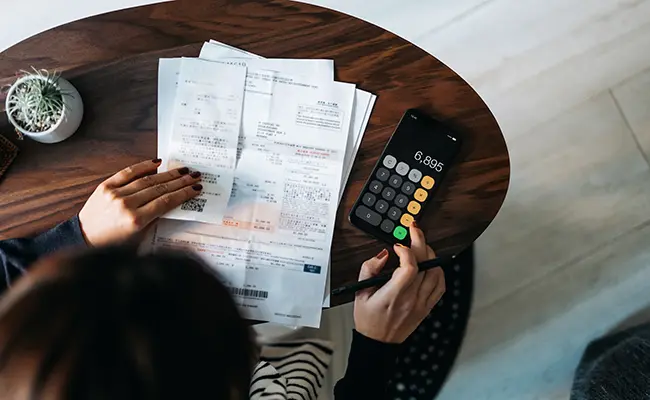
<point x="394" y="213"/>
<point x="375" y="187"/>
<point x="415" y="175"/>
<point x="368" y="215"/>
<point x="401" y="200"/>
<point x="389" y="162"/>
<point x="402" y="168"/>
<point x="381" y="206"/>
<point x="369" y="199"/>
<point x="388" y="194"/>
<point x="395" y="181"/>
<point x="408" y="188"/>
<point x="382" y="174"/>
<point x="387" y="226"/>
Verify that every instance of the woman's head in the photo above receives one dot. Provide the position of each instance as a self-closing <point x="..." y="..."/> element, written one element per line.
<point x="111" y="324"/>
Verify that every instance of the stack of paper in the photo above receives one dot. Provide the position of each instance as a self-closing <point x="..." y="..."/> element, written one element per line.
<point x="274" y="140"/>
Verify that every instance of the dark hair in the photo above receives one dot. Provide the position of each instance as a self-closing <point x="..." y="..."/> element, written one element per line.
<point x="112" y="324"/>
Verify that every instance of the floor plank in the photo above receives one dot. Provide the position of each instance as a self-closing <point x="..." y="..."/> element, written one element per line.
<point x="633" y="97"/>
<point x="577" y="182"/>
<point x="532" y="60"/>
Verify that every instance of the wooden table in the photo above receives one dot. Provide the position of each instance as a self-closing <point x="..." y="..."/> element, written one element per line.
<point x="112" y="60"/>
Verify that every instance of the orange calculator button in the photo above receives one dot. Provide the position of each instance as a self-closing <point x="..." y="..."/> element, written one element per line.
<point x="428" y="182"/>
<point x="421" y="195"/>
<point x="414" y="207"/>
<point x="406" y="220"/>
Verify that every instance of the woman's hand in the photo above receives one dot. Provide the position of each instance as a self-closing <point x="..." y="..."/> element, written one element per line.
<point x="391" y="313"/>
<point x="130" y="200"/>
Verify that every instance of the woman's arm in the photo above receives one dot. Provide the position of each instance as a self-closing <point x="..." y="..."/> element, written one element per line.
<point x="120" y="207"/>
<point x="17" y="254"/>
<point x="370" y="367"/>
<point x="385" y="317"/>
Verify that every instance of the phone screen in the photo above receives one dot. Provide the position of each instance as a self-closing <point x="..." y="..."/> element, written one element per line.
<point x="424" y="143"/>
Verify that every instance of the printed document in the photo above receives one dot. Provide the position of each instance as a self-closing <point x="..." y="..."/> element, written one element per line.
<point x="205" y="131"/>
<point x="294" y="152"/>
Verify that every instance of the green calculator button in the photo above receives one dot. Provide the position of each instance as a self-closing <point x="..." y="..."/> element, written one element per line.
<point x="400" y="233"/>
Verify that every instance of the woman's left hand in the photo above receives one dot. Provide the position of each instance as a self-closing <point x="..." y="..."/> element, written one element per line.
<point x="130" y="200"/>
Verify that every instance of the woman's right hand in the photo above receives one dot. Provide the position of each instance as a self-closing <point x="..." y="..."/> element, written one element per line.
<point x="130" y="200"/>
<point x="391" y="313"/>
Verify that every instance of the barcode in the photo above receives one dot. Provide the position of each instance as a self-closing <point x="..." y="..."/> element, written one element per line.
<point x="259" y="294"/>
<point x="194" y="205"/>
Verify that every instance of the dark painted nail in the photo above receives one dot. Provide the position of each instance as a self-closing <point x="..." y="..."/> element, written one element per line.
<point x="198" y="188"/>
<point x="195" y="174"/>
<point x="183" y="170"/>
<point x="415" y="225"/>
<point x="156" y="160"/>
<point x="382" y="254"/>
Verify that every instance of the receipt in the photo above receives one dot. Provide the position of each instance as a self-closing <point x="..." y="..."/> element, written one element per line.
<point x="205" y="129"/>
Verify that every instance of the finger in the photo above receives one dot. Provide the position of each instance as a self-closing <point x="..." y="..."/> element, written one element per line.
<point x="374" y="265"/>
<point x="430" y="253"/>
<point x="148" y="181"/>
<point x="133" y="172"/>
<point x="370" y="268"/>
<point x="439" y="290"/>
<point x="418" y="242"/>
<point x="143" y="197"/>
<point x="429" y="284"/>
<point x="403" y="276"/>
<point x="166" y="203"/>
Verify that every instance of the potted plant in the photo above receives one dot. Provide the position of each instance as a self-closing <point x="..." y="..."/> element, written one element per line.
<point x="44" y="106"/>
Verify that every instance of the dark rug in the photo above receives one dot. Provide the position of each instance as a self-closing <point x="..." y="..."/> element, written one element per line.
<point x="427" y="356"/>
<point x="8" y="152"/>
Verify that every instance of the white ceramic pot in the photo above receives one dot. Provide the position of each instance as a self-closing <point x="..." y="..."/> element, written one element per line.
<point x="73" y="110"/>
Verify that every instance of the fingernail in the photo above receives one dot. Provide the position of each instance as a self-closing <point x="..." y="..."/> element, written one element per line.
<point x="415" y="225"/>
<point x="401" y="245"/>
<point x="195" y="174"/>
<point x="382" y="254"/>
<point x="197" y="188"/>
<point x="183" y="170"/>
<point x="156" y="160"/>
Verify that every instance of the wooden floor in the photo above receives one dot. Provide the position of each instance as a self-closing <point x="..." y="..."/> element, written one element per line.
<point x="568" y="257"/>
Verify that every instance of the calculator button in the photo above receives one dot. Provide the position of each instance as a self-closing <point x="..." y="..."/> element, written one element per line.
<point x="400" y="233"/>
<point x="395" y="181"/>
<point x="368" y="215"/>
<point x="387" y="226"/>
<point x="402" y="168"/>
<point x="408" y="188"/>
<point x="414" y="207"/>
<point x="369" y="199"/>
<point x="375" y="187"/>
<point x="388" y="194"/>
<point x="415" y="175"/>
<point x="394" y="213"/>
<point x="382" y="174"/>
<point x="381" y="206"/>
<point x="389" y="162"/>
<point x="406" y="220"/>
<point x="401" y="201"/>
<point x="421" y="195"/>
<point x="428" y="182"/>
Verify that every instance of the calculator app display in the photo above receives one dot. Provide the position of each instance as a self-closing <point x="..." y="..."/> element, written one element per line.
<point x="405" y="178"/>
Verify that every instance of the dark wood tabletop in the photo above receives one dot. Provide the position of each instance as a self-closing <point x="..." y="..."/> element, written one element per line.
<point x="112" y="60"/>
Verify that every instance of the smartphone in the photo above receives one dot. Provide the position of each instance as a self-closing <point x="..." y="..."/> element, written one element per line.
<point x="405" y="178"/>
